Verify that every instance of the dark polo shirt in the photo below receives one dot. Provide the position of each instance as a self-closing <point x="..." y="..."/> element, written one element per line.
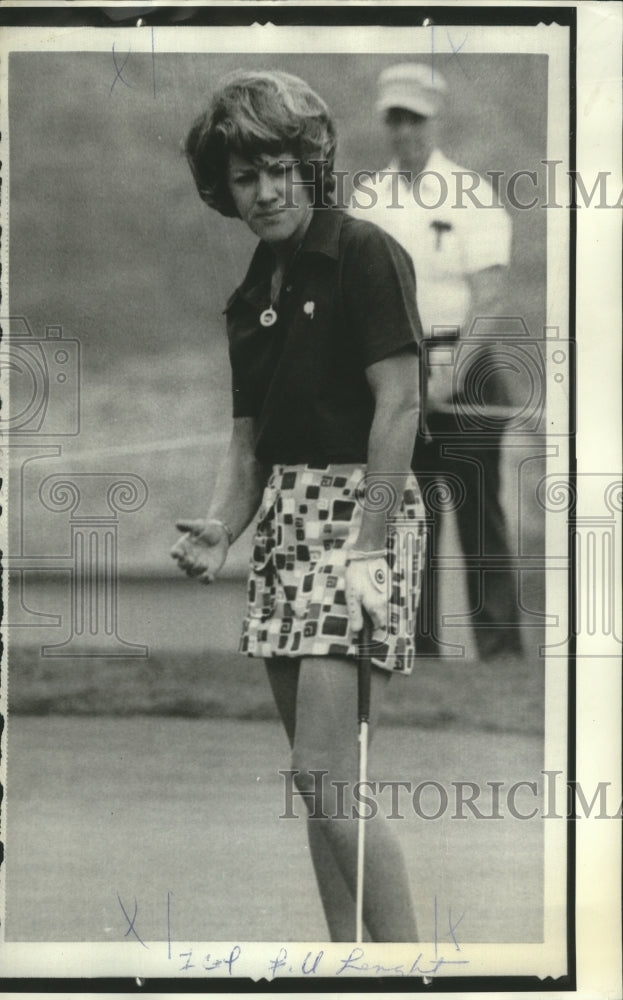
<point x="347" y="301"/>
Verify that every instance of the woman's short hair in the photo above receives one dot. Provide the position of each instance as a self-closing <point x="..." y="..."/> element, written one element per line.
<point x="261" y="112"/>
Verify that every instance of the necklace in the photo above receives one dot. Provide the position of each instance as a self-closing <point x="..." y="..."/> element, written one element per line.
<point x="268" y="317"/>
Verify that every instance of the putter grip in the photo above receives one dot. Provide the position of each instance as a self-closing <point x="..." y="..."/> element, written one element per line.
<point x="364" y="667"/>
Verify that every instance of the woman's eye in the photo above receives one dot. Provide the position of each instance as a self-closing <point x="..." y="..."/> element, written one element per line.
<point x="281" y="170"/>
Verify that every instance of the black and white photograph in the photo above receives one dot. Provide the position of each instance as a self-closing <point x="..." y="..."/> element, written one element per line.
<point x="312" y="496"/>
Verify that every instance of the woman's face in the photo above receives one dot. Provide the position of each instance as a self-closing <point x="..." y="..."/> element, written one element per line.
<point x="269" y="196"/>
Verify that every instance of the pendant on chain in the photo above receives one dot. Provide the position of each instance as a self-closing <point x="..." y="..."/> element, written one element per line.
<point x="268" y="317"/>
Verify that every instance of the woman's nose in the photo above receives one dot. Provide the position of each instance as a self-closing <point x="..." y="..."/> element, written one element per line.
<point x="266" y="187"/>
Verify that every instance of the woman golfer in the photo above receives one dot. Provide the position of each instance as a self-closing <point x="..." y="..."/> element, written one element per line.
<point x="323" y="336"/>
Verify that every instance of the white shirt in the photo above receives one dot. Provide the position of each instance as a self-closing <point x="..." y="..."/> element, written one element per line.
<point x="448" y="241"/>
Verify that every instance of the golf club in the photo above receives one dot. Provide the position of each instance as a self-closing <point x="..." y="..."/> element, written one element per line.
<point x="364" y="668"/>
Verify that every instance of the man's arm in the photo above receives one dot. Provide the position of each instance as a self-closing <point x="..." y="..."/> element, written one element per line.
<point x="487" y="298"/>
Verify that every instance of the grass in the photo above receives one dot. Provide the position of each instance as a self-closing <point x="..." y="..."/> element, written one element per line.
<point x="505" y="696"/>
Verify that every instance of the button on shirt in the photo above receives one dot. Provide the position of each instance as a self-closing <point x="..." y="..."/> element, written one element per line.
<point x="447" y="242"/>
<point x="347" y="301"/>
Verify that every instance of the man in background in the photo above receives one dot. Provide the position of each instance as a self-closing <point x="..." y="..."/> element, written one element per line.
<point x="459" y="237"/>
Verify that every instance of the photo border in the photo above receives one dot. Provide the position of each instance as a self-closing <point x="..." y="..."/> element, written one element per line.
<point x="398" y="15"/>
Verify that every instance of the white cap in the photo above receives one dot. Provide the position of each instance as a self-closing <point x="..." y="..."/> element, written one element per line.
<point x="413" y="86"/>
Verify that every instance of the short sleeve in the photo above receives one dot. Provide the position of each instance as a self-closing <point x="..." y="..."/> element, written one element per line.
<point x="242" y="404"/>
<point x="378" y="289"/>
<point x="243" y="358"/>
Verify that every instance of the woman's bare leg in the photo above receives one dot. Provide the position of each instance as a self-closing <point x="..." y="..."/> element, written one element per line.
<point x="337" y="901"/>
<point x="326" y="738"/>
<point x="317" y="701"/>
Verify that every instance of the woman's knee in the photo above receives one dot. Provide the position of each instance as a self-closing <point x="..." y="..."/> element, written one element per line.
<point x="308" y="769"/>
<point x="322" y="775"/>
<point x="318" y="785"/>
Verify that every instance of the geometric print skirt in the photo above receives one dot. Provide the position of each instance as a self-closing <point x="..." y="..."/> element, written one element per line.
<point x="296" y="602"/>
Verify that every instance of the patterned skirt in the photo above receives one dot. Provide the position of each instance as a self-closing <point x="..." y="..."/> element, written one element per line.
<point x="296" y="597"/>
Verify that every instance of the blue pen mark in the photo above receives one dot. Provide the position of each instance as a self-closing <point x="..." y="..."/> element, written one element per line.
<point x="119" y="69"/>
<point x="278" y="962"/>
<point x="455" y="52"/>
<point x="210" y="964"/>
<point x="153" y="60"/>
<point x="356" y="962"/>
<point x="452" y="927"/>
<point x="310" y="964"/>
<point x="131" y="922"/>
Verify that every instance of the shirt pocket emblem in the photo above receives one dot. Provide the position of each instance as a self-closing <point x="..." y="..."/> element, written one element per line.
<point x="440" y="228"/>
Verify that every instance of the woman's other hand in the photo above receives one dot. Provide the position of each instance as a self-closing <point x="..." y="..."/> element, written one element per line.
<point x="202" y="550"/>
<point x="367" y="588"/>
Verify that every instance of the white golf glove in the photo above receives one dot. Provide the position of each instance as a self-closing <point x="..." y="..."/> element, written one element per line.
<point x="367" y="588"/>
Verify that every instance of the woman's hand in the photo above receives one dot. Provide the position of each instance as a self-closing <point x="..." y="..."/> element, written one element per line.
<point x="367" y="588"/>
<point x="202" y="551"/>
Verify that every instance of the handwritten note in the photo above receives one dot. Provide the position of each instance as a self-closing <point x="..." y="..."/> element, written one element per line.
<point x="300" y="960"/>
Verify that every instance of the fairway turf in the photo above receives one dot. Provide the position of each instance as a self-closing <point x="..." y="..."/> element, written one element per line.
<point x="103" y="811"/>
<point x="193" y="670"/>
